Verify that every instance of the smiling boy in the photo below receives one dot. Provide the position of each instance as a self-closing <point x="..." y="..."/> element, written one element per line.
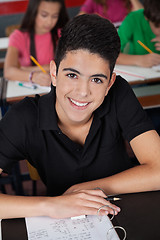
<point x="74" y="135"/>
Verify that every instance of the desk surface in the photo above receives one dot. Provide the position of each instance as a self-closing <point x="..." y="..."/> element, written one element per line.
<point x="14" y="92"/>
<point x="137" y="75"/>
<point x="139" y="216"/>
<point x="148" y="95"/>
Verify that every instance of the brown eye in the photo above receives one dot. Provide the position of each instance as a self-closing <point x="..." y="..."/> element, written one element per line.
<point x="97" y="80"/>
<point x="72" y="75"/>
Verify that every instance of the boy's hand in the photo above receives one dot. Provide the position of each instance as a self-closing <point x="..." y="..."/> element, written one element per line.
<point x="157" y="42"/>
<point x="148" y="60"/>
<point x="41" y="78"/>
<point x="83" y="202"/>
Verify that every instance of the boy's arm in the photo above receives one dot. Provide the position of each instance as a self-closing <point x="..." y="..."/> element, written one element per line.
<point x="85" y="202"/>
<point x="144" y="177"/>
<point x="136" y="4"/>
<point x="147" y="60"/>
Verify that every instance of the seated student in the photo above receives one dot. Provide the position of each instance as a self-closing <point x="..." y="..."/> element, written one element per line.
<point x="74" y="135"/>
<point x="38" y="37"/>
<point x="143" y="25"/>
<point x="115" y="10"/>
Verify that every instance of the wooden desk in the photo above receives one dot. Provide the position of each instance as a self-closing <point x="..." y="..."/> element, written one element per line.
<point x="137" y="75"/>
<point x="145" y="83"/>
<point x="139" y="216"/>
<point x="11" y="92"/>
<point x="148" y="95"/>
<point x="15" y="93"/>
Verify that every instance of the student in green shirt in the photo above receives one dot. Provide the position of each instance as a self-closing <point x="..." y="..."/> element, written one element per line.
<point x="143" y="25"/>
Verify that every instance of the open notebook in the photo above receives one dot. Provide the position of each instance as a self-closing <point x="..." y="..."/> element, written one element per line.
<point x="135" y="73"/>
<point x="89" y="228"/>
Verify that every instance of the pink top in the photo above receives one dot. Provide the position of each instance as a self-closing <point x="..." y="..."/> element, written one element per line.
<point x="43" y="43"/>
<point x="116" y="10"/>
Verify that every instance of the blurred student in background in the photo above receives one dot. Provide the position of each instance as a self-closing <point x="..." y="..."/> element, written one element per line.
<point x="37" y="36"/>
<point x="114" y="10"/>
<point x="143" y="25"/>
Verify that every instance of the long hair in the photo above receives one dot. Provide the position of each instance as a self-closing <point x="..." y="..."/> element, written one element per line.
<point x="28" y="22"/>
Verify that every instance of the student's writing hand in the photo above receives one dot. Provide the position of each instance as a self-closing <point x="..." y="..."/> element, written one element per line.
<point x="41" y="78"/>
<point x="148" y="60"/>
<point x="84" y="202"/>
<point x="157" y="42"/>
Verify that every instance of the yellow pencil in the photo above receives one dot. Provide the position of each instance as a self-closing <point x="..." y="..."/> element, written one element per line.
<point x="35" y="61"/>
<point x="144" y="46"/>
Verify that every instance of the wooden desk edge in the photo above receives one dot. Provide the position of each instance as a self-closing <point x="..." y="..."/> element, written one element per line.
<point x="150" y="101"/>
<point x="153" y="80"/>
<point x="19" y="98"/>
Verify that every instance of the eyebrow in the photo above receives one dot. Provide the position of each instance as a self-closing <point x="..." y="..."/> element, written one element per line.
<point x="76" y="71"/>
<point x="72" y="70"/>
<point x="100" y="75"/>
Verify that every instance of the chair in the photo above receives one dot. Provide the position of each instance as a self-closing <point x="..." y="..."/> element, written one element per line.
<point x="34" y="176"/>
<point x="9" y="29"/>
<point x="15" y="179"/>
<point x="33" y="172"/>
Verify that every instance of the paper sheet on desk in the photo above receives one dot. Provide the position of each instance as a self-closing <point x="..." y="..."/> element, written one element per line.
<point x="89" y="228"/>
<point x="136" y="73"/>
<point x="156" y="68"/>
<point x="128" y="75"/>
<point x="30" y="85"/>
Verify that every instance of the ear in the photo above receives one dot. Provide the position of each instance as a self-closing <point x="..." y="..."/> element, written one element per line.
<point x="111" y="82"/>
<point x="53" y="72"/>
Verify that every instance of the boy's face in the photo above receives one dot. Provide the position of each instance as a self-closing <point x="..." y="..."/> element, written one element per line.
<point x="155" y="30"/>
<point x="82" y="82"/>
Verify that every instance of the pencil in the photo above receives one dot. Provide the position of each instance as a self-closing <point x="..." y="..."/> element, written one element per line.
<point x="35" y="61"/>
<point x="112" y="198"/>
<point x="144" y="46"/>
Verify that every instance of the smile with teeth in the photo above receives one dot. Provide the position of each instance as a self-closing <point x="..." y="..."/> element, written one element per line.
<point x="78" y="103"/>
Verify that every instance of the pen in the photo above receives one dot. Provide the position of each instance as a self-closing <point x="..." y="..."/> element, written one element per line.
<point x="27" y="85"/>
<point x="144" y="46"/>
<point x="112" y="198"/>
<point x="35" y="61"/>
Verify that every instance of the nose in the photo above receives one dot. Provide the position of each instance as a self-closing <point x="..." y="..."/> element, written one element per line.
<point x="83" y="88"/>
<point x="49" y="21"/>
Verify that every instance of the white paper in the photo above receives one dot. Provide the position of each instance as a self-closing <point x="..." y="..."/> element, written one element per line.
<point x="134" y="73"/>
<point x="156" y="68"/>
<point x="129" y="75"/>
<point x="89" y="228"/>
<point x="30" y="85"/>
<point x="14" y="90"/>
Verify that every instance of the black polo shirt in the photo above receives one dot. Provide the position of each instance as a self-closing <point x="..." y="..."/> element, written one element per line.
<point x="29" y="131"/>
